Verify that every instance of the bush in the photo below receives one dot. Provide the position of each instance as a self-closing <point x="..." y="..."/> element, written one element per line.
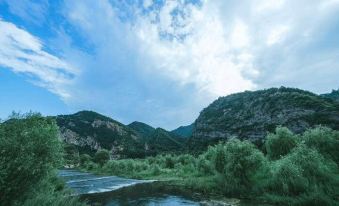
<point x="169" y="162"/>
<point x="204" y="166"/>
<point x="304" y="175"/>
<point x="325" y="141"/>
<point x="244" y="167"/>
<point x="156" y="170"/>
<point x="280" y="143"/>
<point x="219" y="159"/>
<point x="185" y="159"/>
<point x="101" y="157"/>
<point x="71" y="154"/>
<point x="45" y="195"/>
<point x="85" y="159"/>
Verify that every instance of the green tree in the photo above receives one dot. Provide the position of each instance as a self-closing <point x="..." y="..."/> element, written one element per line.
<point x="244" y="167"/>
<point x="169" y="162"/>
<point x="29" y="151"/>
<point x="71" y="154"/>
<point x="304" y="177"/>
<point x="280" y="143"/>
<point x="204" y="166"/>
<point x="85" y="159"/>
<point x="324" y="140"/>
<point x="101" y="157"/>
<point x="219" y="160"/>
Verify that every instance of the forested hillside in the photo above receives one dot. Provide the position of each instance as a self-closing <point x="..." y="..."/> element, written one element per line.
<point x="252" y="114"/>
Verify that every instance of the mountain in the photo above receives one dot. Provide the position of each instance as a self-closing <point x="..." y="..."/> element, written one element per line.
<point x="252" y="114"/>
<point x="184" y="131"/>
<point x="247" y="115"/>
<point x="158" y="140"/>
<point x="90" y="131"/>
<point x="142" y="129"/>
<point x="334" y="95"/>
<point x="163" y="141"/>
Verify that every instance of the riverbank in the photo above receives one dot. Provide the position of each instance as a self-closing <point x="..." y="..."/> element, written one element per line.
<point x="156" y="192"/>
<point x="113" y="190"/>
<point x="302" y="173"/>
<point x="169" y="181"/>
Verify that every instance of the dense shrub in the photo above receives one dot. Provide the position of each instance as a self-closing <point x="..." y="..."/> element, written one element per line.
<point x="71" y="154"/>
<point x="85" y="159"/>
<point x="101" y="157"/>
<point x="155" y="170"/>
<point x="205" y="166"/>
<point x="325" y="141"/>
<point x="280" y="143"/>
<point x="243" y="168"/>
<point x="304" y="175"/>
<point x="219" y="159"/>
<point x="169" y="162"/>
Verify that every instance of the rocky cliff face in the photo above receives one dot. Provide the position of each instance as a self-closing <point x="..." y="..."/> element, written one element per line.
<point x="251" y="115"/>
<point x="90" y="131"/>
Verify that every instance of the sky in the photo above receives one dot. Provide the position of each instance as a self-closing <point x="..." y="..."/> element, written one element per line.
<point x="160" y="61"/>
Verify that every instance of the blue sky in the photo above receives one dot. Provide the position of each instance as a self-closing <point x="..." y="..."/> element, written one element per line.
<point x="160" y="62"/>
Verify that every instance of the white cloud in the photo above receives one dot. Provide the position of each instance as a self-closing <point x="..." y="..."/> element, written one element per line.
<point x="23" y="53"/>
<point x="205" y="57"/>
<point x="329" y="3"/>
<point x="276" y="35"/>
<point x="264" y="5"/>
<point x="147" y="3"/>
<point x="240" y="37"/>
<point x="171" y="59"/>
<point x="187" y="53"/>
<point x="29" y="10"/>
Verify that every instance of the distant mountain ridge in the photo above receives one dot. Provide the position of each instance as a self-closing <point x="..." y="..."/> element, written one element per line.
<point x="89" y="131"/>
<point x="252" y="114"/>
<point x="142" y="129"/>
<point x="246" y="115"/>
<point x="184" y="131"/>
<point x="158" y="139"/>
<point x="334" y="95"/>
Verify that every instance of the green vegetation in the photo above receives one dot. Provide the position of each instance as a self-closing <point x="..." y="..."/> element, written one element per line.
<point x="101" y="157"/>
<point x="297" y="169"/>
<point x="103" y="130"/>
<point x="325" y="141"/>
<point x="334" y="95"/>
<point x="281" y="143"/>
<point x="184" y="131"/>
<point x="142" y="129"/>
<point x="85" y="131"/>
<point x="30" y="152"/>
<point x="252" y="114"/>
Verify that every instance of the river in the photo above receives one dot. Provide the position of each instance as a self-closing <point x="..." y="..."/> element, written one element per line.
<point x="117" y="191"/>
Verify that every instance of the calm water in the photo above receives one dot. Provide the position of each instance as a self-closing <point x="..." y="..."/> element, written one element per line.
<point x="117" y="191"/>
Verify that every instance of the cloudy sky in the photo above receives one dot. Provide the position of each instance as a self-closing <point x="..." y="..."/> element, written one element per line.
<point x="160" y="62"/>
